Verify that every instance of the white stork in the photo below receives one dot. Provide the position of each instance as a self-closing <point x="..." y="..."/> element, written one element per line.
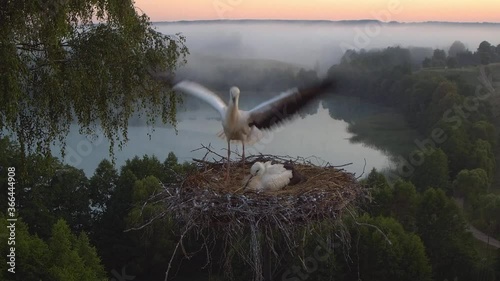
<point x="244" y="125"/>
<point x="267" y="177"/>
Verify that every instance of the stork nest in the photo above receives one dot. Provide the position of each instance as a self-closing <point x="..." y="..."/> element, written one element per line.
<point x="203" y="200"/>
<point x="207" y="196"/>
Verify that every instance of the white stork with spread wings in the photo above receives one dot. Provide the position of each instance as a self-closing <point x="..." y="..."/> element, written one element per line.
<point x="244" y="125"/>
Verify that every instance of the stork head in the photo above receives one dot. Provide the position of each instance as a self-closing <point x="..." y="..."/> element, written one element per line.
<point x="234" y="94"/>
<point x="258" y="169"/>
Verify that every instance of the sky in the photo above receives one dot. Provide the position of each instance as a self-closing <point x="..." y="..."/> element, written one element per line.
<point x="384" y="10"/>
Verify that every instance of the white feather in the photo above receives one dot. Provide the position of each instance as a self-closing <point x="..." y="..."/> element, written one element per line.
<point x="244" y="126"/>
<point x="196" y="90"/>
<point x="268" y="177"/>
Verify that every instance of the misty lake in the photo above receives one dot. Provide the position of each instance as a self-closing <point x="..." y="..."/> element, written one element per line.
<point x="315" y="135"/>
<point x="342" y="130"/>
<point x="319" y="44"/>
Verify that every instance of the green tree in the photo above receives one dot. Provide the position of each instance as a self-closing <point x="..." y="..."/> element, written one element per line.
<point x="155" y="241"/>
<point x="67" y="197"/>
<point x="171" y="161"/>
<point x="144" y="252"/>
<point x="380" y="192"/>
<point x="420" y="95"/>
<point x="72" y="258"/>
<point x="488" y="207"/>
<point x="404" y="204"/>
<point x="143" y="189"/>
<point x="433" y="172"/>
<point x="84" y="61"/>
<point x="32" y="253"/>
<point x="456" y="48"/>
<point x="89" y="257"/>
<point x="485" y="52"/>
<point x="381" y="252"/>
<point x="497" y="267"/>
<point x="102" y="185"/>
<point x="444" y="97"/>
<point x="427" y="62"/>
<point x="486" y="131"/>
<point x="376" y="180"/>
<point x="46" y="190"/>
<point x="398" y="201"/>
<point x="147" y="166"/>
<point x="443" y="229"/>
<point x="467" y="59"/>
<point x="174" y="170"/>
<point x="451" y="62"/>
<point x="439" y="58"/>
<point x="457" y="146"/>
<point x="471" y="183"/>
<point x="115" y="246"/>
<point x="483" y="157"/>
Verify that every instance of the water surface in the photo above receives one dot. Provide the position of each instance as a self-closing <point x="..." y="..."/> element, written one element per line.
<point x="317" y="135"/>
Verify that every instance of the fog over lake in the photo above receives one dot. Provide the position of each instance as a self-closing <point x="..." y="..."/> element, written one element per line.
<point x="309" y="45"/>
<point x="307" y="42"/>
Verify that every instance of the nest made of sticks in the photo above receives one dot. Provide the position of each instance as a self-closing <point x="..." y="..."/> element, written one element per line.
<point x="203" y="200"/>
<point x="206" y="195"/>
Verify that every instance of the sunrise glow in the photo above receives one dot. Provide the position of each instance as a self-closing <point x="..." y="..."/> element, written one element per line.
<point x="386" y="10"/>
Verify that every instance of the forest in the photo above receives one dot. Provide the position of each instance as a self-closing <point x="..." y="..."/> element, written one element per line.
<point x="74" y="227"/>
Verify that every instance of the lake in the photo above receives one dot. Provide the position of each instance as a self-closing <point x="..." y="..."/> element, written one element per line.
<point x="315" y="135"/>
<point x="342" y="130"/>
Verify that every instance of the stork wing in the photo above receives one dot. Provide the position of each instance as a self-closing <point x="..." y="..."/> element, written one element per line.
<point x="283" y="107"/>
<point x="197" y="90"/>
<point x="275" y="169"/>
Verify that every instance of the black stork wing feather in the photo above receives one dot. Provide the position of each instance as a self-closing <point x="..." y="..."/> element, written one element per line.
<point x="273" y="112"/>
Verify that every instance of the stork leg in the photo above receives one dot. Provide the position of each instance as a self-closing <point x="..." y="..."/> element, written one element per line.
<point x="243" y="154"/>
<point x="228" y="160"/>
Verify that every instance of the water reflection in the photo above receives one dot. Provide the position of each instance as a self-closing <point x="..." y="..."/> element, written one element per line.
<point x="316" y="134"/>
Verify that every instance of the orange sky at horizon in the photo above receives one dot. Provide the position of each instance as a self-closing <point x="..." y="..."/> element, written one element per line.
<point x="385" y="10"/>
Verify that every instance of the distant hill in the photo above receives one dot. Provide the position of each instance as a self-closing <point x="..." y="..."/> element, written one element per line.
<point x="220" y="73"/>
<point x="252" y="63"/>
<point x="362" y="21"/>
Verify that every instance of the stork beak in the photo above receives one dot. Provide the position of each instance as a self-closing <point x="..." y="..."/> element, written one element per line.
<point x="248" y="181"/>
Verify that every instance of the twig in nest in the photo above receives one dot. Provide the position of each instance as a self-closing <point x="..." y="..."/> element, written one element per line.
<point x="160" y="215"/>
<point x="363" y="170"/>
<point x="371" y="225"/>
<point x="201" y="201"/>
<point x="175" y="250"/>
<point x="209" y="150"/>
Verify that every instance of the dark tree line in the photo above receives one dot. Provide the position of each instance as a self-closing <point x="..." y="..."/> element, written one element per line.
<point x="460" y="56"/>
<point x="463" y="164"/>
